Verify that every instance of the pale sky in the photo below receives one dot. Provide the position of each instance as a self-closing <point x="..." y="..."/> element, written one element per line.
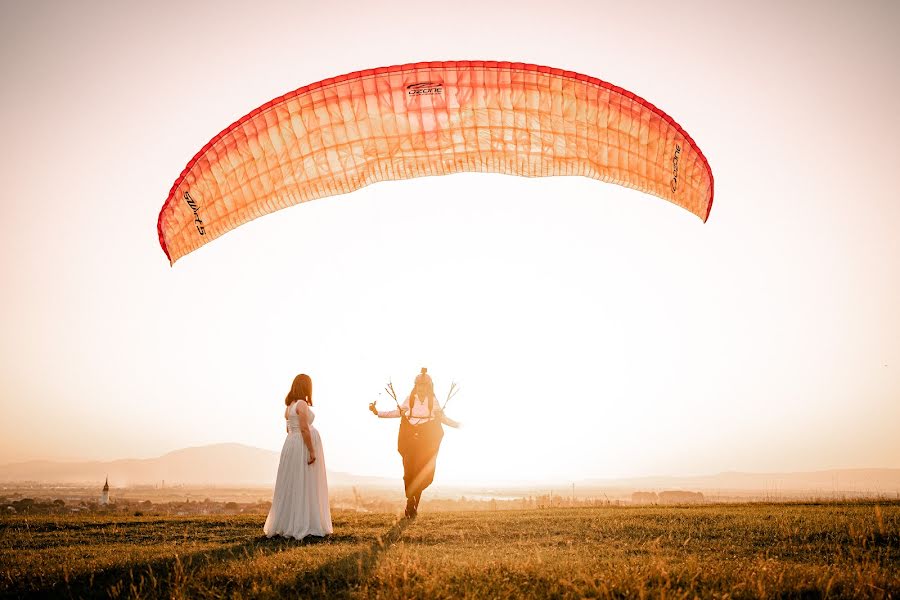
<point x="594" y="331"/>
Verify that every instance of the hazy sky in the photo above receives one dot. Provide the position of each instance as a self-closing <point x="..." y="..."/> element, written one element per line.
<point x="594" y="331"/>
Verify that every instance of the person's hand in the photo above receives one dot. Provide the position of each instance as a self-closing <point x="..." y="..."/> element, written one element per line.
<point x="373" y="409"/>
<point x="312" y="458"/>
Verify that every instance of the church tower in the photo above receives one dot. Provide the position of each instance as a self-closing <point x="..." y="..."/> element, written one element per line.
<point x="104" y="496"/>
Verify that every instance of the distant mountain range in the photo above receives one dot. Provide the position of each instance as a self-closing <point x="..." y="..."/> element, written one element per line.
<point x="214" y="465"/>
<point x="240" y="465"/>
<point x="826" y="483"/>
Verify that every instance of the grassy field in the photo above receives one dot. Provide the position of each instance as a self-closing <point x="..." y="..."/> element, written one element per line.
<point x="739" y="551"/>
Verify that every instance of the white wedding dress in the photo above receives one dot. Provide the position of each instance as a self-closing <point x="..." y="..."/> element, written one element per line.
<point x="300" y="502"/>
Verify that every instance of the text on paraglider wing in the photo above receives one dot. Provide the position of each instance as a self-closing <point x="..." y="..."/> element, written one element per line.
<point x="195" y="208"/>
<point x="675" y="167"/>
<point x="428" y="88"/>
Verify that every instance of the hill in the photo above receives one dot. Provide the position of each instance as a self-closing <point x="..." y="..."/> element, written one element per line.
<point x="826" y="483"/>
<point x="240" y="465"/>
<point x="215" y="465"/>
<point x="221" y="464"/>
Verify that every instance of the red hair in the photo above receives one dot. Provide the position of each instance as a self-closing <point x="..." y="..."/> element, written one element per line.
<point x="301" y="389"/>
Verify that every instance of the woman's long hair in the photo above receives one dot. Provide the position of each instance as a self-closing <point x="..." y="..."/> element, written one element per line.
<point x="423" y="380"/>
<point x="301" y="389"/>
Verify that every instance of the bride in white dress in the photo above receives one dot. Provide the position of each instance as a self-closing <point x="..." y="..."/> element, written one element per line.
<point x="300" y="502"/>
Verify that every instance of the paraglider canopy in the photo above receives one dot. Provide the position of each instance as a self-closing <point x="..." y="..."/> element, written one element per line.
<point x="435" y="118"/>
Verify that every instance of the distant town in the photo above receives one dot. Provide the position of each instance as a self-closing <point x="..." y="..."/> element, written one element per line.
<point x="235" y="479"/>
<point x="29" y="499"/>
<point x="180" y="500"/>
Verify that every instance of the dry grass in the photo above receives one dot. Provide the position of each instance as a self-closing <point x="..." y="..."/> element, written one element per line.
<point x="739" y="551"/>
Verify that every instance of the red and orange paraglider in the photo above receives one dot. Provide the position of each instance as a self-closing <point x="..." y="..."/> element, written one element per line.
<point x="435" y="118"/>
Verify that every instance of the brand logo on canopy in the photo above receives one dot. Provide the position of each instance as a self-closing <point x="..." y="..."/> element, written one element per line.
<point x="426" y="88"/>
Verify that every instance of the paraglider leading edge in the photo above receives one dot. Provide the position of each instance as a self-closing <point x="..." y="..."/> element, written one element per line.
<point x="433" y="65"/>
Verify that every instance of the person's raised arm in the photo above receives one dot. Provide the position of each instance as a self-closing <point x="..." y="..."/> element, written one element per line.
<point x="390" y="414"/>
<point x="303" y="413"/>
<point x="447" y="420"/>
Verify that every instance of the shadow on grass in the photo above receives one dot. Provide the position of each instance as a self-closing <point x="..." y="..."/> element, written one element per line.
<point x="154" y="578"/>
<point x="340" y="577"/>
